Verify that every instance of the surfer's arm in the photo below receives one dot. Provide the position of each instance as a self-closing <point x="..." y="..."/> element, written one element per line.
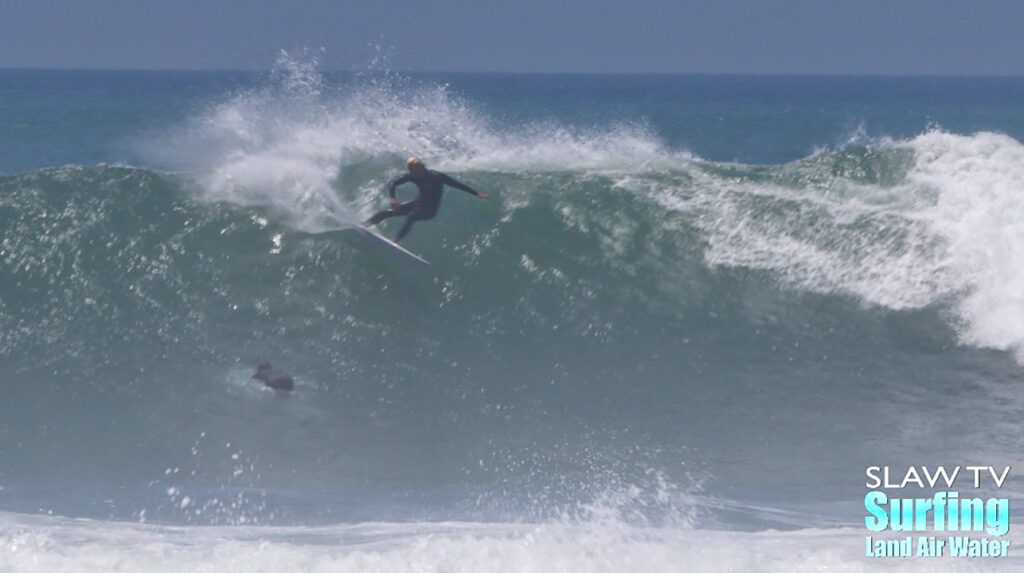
<point x="395" y="183"/>
<point x="453" y="183"/>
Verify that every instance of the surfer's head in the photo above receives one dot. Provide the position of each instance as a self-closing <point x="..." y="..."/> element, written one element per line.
<point x="415" y="165"/>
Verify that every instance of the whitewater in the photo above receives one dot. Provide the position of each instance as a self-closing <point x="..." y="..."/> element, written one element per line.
<point x="692" y="312"/>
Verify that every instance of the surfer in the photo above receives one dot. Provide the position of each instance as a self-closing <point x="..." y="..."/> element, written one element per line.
<point x="274" y="378"/>
<point x="424" y="207"/>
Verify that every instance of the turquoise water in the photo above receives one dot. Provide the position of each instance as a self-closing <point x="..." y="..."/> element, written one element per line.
<point x="692" y="312"/>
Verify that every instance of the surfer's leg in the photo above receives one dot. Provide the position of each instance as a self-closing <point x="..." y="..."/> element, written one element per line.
<point x="417" y="215"/>
<point x="406" y="227"/>
<point x="403" y="209"/>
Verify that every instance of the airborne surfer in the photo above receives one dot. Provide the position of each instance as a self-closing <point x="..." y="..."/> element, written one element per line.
<point x="424" y="207"/>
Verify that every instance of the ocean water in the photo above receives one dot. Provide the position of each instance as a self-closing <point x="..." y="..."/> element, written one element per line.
<point x="693" y="310"/>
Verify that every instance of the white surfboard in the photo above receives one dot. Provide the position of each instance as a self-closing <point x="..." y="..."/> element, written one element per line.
<point x="389" y="245"/>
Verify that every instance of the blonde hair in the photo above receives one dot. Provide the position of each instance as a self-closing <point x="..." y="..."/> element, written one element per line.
<point x="414" y="162"/>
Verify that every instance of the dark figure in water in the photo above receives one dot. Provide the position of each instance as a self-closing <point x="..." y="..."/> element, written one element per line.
<point x="274" y="378"/>
<point x="425" y="205"/>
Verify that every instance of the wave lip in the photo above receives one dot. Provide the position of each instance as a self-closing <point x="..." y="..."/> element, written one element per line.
<point x="979" y="213"/>
<point x="931" y="221"/>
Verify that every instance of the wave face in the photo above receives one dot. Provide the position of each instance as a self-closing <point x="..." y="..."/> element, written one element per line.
<point x="625" y="328"/>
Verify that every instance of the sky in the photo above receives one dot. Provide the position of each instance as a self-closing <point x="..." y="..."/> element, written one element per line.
<point x="933" y="37"/>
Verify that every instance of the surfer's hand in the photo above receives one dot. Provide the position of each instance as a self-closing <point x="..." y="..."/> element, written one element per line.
<point x="482" y="195"/>
<point x="394" y="202"/>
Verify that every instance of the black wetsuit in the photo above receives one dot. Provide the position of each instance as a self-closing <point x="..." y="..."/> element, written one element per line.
<point x="424" y="207"/>
<point x="274" y="378"/>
